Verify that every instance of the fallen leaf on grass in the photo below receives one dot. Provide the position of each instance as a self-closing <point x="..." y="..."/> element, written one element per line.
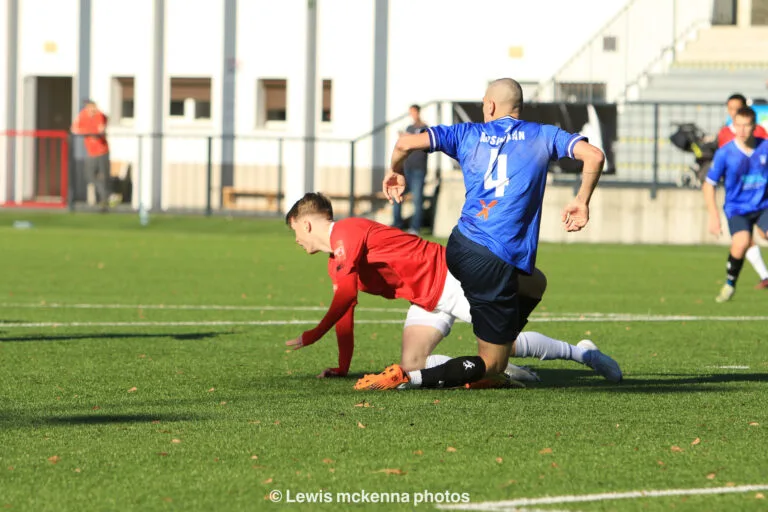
<point x="268" y="481"/>
<point x="155" y="422"/>
<point x="175" y="441"/>
<point x="54" y="459"/>
<point x="676" y="449"/>
<point x="254" y="457"/>
<point x="328" y="461"/>
<point x="545" y="451"/>
<point x="363" y="404"/>
<point x="711" y="476"/>
<point x="499" y="460"/>
<point x="331" y="470"/>
<point x="212" y="390"/>
<point x="418" y="452"/>
<point x="223" y="402"/>
<point x="360" y="425"/>
<point x="436" y="402"/>
<point x="167" y="499"/>
<point x="132" y="390"/>
<point x="509" y="482"/>
<point x="450" y="449"/>
<point x="257" y="422"/>
<point x="754" y="424"/>
<point x="76" y="470"/>
<point x="759" y="496"/>
<point x="10" y="468"/>
<point x="695" y="441"/>
<point x="391" y="471"/>
<point x="730" y="484"/>
<point x="95" y="408"/>
<point x="660" y="462"/>
<point x="162" y="454"/>
<point x="277" y="422"/>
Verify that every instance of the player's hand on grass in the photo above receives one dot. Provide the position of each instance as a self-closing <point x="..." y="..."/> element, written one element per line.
<point x="394" y="187"/>
<point x="714" y="225"/>
<point x="331" y="372"/>
<point x="296" y="344"/>
<point x="575" y="215"/>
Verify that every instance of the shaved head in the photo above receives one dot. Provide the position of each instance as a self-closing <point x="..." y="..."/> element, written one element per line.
<point x="503" y="97"/>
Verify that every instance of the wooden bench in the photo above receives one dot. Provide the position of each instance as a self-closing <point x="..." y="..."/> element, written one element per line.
<point x="229" y="196"/>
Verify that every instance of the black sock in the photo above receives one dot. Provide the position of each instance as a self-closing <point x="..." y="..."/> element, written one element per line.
<point x="733" y="269"/>
<point x="455" y="372"/>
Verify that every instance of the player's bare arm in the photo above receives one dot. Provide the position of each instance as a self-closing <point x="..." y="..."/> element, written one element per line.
<point x="394" y="181"/>
<point x="714" y="217"/>
<point x="576" y="213"/>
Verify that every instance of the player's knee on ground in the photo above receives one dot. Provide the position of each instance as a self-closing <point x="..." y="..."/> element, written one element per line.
<point x="418" y="343"/>
<point x="495" y="357"/>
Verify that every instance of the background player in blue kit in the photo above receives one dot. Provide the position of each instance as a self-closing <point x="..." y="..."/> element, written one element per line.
<point x="504" y="161"/>
<point x="743" y="165"/>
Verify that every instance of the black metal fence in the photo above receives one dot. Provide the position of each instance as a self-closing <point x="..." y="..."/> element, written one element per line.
<point x="205" y="173"/>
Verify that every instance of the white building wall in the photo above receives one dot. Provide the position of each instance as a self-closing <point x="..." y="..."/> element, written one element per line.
<point x="438" y="49"/>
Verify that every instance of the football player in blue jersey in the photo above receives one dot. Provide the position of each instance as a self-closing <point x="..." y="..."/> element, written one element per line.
<point x="492" y="251"/>
<point x="742" y="164"/>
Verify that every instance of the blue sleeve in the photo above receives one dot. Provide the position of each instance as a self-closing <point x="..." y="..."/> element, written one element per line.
<point x="562" y="142"/>
<point x="446" y="139"/>
<point x="717" y="169"/>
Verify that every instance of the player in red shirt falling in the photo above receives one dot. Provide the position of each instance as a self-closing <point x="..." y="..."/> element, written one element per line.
<point x="373" y="258"/>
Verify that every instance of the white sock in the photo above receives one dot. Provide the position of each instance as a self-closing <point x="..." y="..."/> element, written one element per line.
<point x="415" y="378"/>
<point x="534" y="344"/>
<point x="756" y="259"/>
<point x="436" y="360"/>
<point x="432" y="361"/>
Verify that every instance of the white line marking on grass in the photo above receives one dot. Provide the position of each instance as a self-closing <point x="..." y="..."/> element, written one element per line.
<point x="552" y="500"/>
<point x="734" y="367"/>
<point x="213" y="323"/>
<point x="540" y="317"/>
<point x="191" y="307"/>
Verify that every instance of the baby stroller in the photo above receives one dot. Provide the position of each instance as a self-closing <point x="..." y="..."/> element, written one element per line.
<point x="690" y="138"/>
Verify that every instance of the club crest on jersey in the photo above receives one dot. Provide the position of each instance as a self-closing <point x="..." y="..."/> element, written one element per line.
<point x="763" y="159"/>
<point x="486" y="209"/>
<point x="338" y="252"/>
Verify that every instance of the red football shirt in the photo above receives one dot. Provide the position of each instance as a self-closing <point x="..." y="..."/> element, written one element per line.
<point x="726" y="134"/>
<point x="95" y="145"/>
<point x="380" y="260"/>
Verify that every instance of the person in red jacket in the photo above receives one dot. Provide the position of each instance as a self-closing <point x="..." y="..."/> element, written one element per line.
<point x="91" y="123"/>
<point x="727" y="133"/>
<point x="380" y="260"/>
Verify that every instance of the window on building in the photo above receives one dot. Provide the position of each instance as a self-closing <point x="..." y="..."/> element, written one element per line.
<point x="122" y="98"/>
<point x="581" y="92"/>
<point x="190" y="98"/>
<point x="327" y="95"/>
<point x="609" y="43"/>
<point x="272" y="100"/>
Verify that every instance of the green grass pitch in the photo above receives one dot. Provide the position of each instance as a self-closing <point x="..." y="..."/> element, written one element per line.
<point x="106" y="405"/>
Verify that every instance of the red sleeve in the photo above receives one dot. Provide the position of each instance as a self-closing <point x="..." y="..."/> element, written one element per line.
<point x="345" y="337"/>
<point x="723" y="136"/>
<point x="760" y="132"/>
<point x="344" y="299"/>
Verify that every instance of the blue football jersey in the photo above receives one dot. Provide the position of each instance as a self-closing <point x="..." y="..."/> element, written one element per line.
<point x="505" y="166"/>
<point x="745" y="177"/>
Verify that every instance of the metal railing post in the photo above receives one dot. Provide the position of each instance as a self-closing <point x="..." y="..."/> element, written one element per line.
<point x="209" y="178"/>
<point x="279" y="174"/>
<point x="655" y="184"/>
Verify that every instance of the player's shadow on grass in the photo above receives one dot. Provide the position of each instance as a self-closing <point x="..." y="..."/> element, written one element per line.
<point x="103" y="419"/>
<point x="667" y="383"/>
<point x="114" y="335"/>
